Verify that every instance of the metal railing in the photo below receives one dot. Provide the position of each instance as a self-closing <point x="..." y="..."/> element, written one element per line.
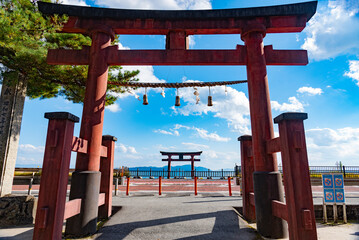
<point x="181" y="174"/>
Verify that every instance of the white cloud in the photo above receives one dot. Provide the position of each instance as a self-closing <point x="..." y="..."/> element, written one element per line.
<point x="353" y="71"/>
<point x="294" y="105"/>
<point x="327" y="146"/>
<point x="333" y="31"/>
<point x="203" y="133"/>
<point x="113" y="108"/>
<point x="195" y="146"/>
<point x="171" y="132"/>
<point x="157" y="4"/>
<point x="310" y="91"/>
<point x="233" y="107"/>
<point x="74" y="2"/>
<point x="121" y="147"/>
<point x="125" y="149"/>
<point x="131" y="150"/>
<point x="31" y="148"/>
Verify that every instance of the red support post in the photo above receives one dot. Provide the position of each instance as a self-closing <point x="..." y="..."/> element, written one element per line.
<point x="169" y="167"/>
<point x="106" y="169"/>
<point x="192" y="166"/>
<point x="128" y="186"/>
<point x="195" y="186"/>
<point x="229" y="186"/>
<point x="85" y="183"/>
<point x="266" y="178"/>
<point x="247" y="167"/>
<point x="160" y="185"/>
<point x="298" y="191"/>
<point x="55" y="171"/>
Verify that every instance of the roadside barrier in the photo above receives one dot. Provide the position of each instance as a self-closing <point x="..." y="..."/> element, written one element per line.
<point x="159" y="185"/>
<point x="128" y="186"/>
<point x="195" y="186"/>
<point x="229" y="186"/>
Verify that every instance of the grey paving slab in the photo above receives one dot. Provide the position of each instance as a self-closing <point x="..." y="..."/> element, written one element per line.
<point x="177" y="217"/>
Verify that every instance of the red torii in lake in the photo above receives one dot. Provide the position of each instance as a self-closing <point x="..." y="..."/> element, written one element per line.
<point x="181" y="159"/>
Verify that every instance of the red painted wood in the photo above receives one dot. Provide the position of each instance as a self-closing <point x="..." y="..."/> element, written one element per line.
<point x="72" y="208"/>
<point x="247" y="167"/>
<point x="101" y="199"/>
<point x="79" y="145"/>
<point x="177" y="57"/>
<point x="159" y="185"/>
<point x="54" y="179"/>
<point x="229" y="186"/>
<point x="181" y="160"/>
<point x="103" y="151"/>
<point x="169" y="167"/>
<point x="299" y="199"/>
<point x="106" y="169"/>
<point x="259" y="101"/>
<point x="94" y="104"/>
<point x="195" y="186"/>
<point x="280" y="210"/>
<point x="128" y="186"/>
<point x="251" y="199"/>
<point x="273" y="24"/>
<point x="273" y="145"/>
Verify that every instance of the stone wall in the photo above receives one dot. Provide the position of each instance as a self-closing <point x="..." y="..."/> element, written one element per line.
<point x="16" y="210"/>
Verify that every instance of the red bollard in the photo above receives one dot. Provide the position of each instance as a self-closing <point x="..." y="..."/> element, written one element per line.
<point x="229" y="186"/>
<point x="159" y="185"/>
<point x="195" y="186"/>
<point x="128" y="186"/>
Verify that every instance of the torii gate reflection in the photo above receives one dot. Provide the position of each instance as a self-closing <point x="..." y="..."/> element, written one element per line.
<point x="251" y="23"/>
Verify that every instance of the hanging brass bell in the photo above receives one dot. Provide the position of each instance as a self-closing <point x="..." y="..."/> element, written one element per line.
<point x="210" y="104"/>
<point x="145" y="99"/>
<point x="178" y="101"/>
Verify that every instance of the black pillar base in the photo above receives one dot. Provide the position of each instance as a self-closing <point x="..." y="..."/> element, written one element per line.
<point x="267" y="187"/>
<point x="84" y="185"/>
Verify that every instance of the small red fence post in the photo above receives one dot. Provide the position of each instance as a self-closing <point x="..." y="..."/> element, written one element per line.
<point x="195" y="186"/>
<point x="128" y="186"/>
<point x="106" y="169"/>
<point x="247" y="168"/>
<point x="159" y="185"/>
<point x="54" y="178"/>
<point x="229" y="186"/>
<point x="299" y="199"/>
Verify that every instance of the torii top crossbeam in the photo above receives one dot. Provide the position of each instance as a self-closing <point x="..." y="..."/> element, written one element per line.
<point x="177" y="26"/>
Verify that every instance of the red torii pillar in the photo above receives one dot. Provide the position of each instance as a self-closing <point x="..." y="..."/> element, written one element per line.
<point x="266" y="178"/>
<point x="85" y="183"/>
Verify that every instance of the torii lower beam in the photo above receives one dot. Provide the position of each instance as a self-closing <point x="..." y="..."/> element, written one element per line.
<point x="180" y="159"/>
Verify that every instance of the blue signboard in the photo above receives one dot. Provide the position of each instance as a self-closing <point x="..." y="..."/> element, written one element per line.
<point x="327" y="181"/>
<point x="339" y="196"/>
<point x="329" y="195"/>
<point x="338" y="181"/>
<point x="333" y="186"/>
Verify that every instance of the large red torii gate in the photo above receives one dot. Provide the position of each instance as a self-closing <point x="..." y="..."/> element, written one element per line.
<point x="251" y="23"/>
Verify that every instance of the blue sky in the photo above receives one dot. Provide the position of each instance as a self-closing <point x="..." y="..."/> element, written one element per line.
<point x="326" y="89"/>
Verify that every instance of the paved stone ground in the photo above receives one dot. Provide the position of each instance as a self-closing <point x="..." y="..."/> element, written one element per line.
<point x="178" y="214"/>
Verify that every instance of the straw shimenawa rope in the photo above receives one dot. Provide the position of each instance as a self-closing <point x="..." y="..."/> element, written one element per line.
<point x="176" y="85"/>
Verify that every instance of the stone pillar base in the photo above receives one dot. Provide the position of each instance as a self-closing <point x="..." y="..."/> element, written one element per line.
<point x="267" y="187"/>
<point x="84" y="185"/>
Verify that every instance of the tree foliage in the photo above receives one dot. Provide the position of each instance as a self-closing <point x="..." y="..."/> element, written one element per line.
<point x="25" y="37"/>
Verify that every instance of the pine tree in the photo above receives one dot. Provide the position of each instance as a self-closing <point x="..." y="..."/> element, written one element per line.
<point x="26" y="36"/>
